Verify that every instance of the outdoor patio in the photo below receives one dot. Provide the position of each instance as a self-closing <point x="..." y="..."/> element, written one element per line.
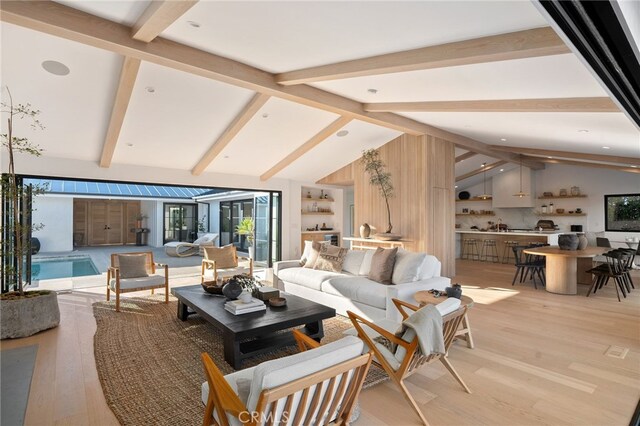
<point x="183" y="270"/>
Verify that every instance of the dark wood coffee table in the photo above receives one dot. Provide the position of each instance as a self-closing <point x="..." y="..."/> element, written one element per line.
<point x="256" y="332"/>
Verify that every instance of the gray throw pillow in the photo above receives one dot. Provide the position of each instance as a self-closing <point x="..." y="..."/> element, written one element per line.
<point x="133" y="265"/>
<point x="382" y="265"/>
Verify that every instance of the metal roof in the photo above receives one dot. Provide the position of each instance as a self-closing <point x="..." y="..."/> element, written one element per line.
<point x="109" y="189"/>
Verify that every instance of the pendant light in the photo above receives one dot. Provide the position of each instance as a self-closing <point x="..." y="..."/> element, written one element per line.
<point x="520" y="194"/>
<point x="484" y="195"/>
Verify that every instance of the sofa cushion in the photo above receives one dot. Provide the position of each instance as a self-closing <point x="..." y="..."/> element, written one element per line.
<point x="277" y="372"/>
<point x="140" y="282"/>
<point x="358" y="289"/>
<point x="353" y="262"/>
<point x="310" y="278"/>
<point x="240" y="382"/>
<point x="407" y="267"/>
<point x="132" y="265"/>
<point x="330" y="258"/>
<point x="366" y="262"/>
<point x="430" y="268"/>
<point x="382" y="265"/>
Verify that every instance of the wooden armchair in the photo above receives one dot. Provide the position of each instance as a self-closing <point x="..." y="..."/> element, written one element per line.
<point x="216" y="264"/>
<point x="317" y="386"/>
<point x="408" y="357"/>
<point x="138" y="274"/>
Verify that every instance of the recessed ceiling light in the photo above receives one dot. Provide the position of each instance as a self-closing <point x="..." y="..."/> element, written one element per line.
<point x="549" y="157"/>
<point x="130" y="145"/>
<point x="372" y="91"/>
<point x="456" y="186"/>
<point x="150" y="89"/>
<point x="502" y="170"/>
<point x="226" y="156"/>
<point x="634" y="166"/>
<point x="583" y="131"/>
<point x="193" y="24"/>
<point x="606" y="147"/>
<point x="342" y="133"/>
<point x="265" y="115"/>
<point x="55" y="67"/>
<point x="503" y="139"/>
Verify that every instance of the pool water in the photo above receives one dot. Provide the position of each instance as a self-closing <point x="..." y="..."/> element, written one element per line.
<point x="46" y="269"/>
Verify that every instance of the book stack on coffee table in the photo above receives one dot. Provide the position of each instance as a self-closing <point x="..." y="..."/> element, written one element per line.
<point x="237" y="307"/>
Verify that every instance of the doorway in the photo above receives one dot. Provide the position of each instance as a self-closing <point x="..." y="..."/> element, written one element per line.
<point x="180" y="222"/>
<point x="104" y="222"/>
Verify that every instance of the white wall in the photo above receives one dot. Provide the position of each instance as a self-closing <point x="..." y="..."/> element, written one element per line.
<point x="56" y="214"/>
<point x="593" y="182"/>
<point x="151" y="209"/>
<point x="348" y="202"/>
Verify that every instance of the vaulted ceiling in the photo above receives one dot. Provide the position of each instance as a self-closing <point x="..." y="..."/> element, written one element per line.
<point x="173" y="106"/>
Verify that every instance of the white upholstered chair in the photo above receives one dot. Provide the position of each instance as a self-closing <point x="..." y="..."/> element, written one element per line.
<point x="317" y="386"/>
<point x="135" y="272"/>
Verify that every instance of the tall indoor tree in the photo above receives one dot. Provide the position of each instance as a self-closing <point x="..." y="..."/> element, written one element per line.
<point x="380" y="178"/>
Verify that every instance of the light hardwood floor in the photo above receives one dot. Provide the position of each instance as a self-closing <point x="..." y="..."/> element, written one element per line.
<point x="540" y="358"/>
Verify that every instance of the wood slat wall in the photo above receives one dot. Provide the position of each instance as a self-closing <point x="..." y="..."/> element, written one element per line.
<point x="423" y="207"/>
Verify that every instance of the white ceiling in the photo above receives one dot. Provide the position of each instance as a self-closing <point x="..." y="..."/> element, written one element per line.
<point x="176" y="125"/>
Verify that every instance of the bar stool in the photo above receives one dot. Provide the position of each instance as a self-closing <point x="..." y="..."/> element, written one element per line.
<point x="507" y="252"/>
<point x="470" y="249"/>
<point x="489" y="250"/>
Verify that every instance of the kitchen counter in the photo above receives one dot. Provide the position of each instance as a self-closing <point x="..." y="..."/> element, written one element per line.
<point x="504" y="252"/>
<point x="507" y="233"/>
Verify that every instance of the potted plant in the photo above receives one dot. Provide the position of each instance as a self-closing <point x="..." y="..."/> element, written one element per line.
<point x="22" y="313"/>
<point x="202" y="228"/>
<point x="380" y="178"/>
<point x="247" y="227"/>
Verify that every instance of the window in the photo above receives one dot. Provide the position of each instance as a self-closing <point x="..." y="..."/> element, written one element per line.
<point x="622" y="213"/>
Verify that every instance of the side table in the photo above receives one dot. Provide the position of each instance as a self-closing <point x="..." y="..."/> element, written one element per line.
<point x="426" y="298"/>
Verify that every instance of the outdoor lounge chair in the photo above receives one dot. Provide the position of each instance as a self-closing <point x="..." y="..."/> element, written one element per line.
<point x="184" y="249"/>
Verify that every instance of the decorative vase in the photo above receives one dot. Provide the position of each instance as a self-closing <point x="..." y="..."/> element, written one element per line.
<point x="454" y="291"/>
<point x="575" y="191"/>
<point x="568" y="241"/>
<point x="365" y="230"/>
<point x="583" y="242"/>
<point x="232" y="290"/>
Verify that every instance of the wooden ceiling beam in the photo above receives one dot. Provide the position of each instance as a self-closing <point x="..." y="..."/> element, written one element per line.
<point x="599" y="104"/>
<point x="128" y="75"/>
<point x="72" y="24"/>
<point x="502" y="47"/>
<point x="585" y="164"/>
<point x="465" y="156"/>
<point x="480" y="170"/>
<point x="306" y="147"/>
<point x="230" y="132"/>
<point x="158" y="16"/>
<point x="567" y="155"/>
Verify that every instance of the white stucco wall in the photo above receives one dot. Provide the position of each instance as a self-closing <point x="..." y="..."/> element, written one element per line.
<point x="56" y="214"/>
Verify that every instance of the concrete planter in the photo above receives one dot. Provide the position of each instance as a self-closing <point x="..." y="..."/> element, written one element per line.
<point x="27" y="316"/>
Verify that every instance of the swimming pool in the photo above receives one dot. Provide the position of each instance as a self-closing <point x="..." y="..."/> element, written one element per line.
<point x="63" y="267"/>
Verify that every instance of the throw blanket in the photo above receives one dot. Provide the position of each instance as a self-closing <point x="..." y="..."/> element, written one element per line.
<point x="427" y="323"/>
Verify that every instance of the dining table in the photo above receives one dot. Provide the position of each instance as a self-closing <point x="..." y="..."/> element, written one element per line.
<point x="565" y="269"/>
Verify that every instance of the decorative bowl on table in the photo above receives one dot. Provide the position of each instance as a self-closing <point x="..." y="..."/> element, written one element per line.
<point x="212" y="287"/>
<point x="277" y="302"/>
<point x="388" y="236"/>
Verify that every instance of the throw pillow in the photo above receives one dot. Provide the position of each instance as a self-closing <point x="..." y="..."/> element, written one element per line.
<point x="407" y="266"/>
<point x="366" y="263"/>
<point x="306" y="253"/>
<point x="382" y="265"/>
<point x="133" y="265"/>
<point x="225" y="257"/>
<point x="313" y="255"/>
<point x="331" y="258"/>
<point x="353" y="261"/>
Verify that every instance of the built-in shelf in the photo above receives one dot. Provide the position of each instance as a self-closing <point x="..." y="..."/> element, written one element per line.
<point x="474" y="199"/>
<point x="320" y="232"/>
<point x="317" y="213"/>
<point x="555" y="197"/>
<point x="317" y="199"/>
<point x="560" y="214"/>
<point x="475" y="214"/>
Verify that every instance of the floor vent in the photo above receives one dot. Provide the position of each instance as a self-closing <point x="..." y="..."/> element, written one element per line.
<point x="617" y="352"/>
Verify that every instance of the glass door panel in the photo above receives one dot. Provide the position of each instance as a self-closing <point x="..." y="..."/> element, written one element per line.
<point x="180" y="222"/>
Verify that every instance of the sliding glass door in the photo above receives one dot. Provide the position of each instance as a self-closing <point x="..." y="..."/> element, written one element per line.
<point x="180" y="222"/>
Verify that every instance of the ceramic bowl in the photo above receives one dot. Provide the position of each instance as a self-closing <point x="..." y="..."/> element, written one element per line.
<point x="277" y="301"/>
<point x="559" y="210"/>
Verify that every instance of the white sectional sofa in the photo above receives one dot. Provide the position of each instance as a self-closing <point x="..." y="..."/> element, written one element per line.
<point x="352" y="290"/>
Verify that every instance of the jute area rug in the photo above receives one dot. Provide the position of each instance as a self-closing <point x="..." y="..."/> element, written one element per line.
<point x="149" y="362"/>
